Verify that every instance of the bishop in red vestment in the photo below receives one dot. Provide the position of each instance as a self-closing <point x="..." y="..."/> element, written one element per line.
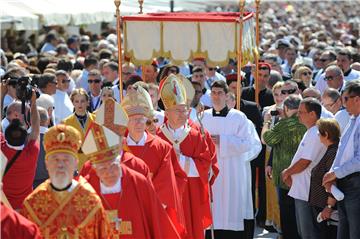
<point x="129" y="198"/>
<point x="155" y="152"/>
<point x="192" y="152"/>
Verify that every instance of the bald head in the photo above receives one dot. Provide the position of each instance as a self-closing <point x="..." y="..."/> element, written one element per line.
<point x="311" y="92"/>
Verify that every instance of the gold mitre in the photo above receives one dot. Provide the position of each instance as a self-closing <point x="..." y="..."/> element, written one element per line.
<point x="137" y="102"/>
<point x="62" y="139"/>
<point x="172" y="91"/>
<point x="189" y="89"/>
<point x="112" y="116"/>
<point x="101" y="144"/>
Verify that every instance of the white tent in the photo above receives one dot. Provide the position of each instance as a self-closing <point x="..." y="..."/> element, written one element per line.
<point x="14" y="17"/>
<point x="30" y="14"/>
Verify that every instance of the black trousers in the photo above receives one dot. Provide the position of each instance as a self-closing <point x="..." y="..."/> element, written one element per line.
<point x="287" y="214"/>
<point x="259" y="171"/>
<point x="248" y="232"/>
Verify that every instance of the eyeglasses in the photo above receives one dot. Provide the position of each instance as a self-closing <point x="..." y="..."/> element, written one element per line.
<point x="329" y="78"/>
<point x="151" y="121"/>
<point x="103" y="169"/>
<point x="346" y="98"/>
<point x="288" y="92"/>
<point x="306" y="73"/>
<point x="94" y="81"/>
<point x="323" y="60"/>
<point x="65" y="81"/>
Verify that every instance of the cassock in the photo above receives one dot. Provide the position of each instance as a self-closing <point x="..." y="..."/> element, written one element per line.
<point x="158" y="154"/>
<point x="73" y="121"/>
<point x="238" y="145"/>
<point x="13" y="225"/>
<point x="195" y="159"/>
<point x="133" y="207"/>
<point x="127" y="159"/>
<point x="74" y="213"/>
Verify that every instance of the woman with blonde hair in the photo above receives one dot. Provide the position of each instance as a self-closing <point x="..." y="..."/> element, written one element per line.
<point x="81" y="119"/>
<point x="272" y="205"/>
<point x="305" y="74"/>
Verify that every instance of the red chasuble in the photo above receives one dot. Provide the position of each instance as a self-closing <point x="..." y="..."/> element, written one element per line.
<point x="212" y="149"/>
<point x="196" y="194"/>
<point x="157" y="154"/>
<point x="139" y="211"/>
<point x="13" y="225"/>
<point x="128" y="159"/>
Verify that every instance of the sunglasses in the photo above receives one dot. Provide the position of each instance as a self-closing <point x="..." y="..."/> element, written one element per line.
<point x="323" y="60"/>
<point x="211" y="69"/>
<point x="288" y="92"/>
<point x="306" y="73"/>
<point x="94" y="81"/>
<point x="65" y="81"/>
<point x="346" y="98"/>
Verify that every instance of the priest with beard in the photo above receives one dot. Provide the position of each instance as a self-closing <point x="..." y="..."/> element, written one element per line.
<point x="61" y="206"/>
<point x="131" y="203"/>
<point x="192" y="153"/>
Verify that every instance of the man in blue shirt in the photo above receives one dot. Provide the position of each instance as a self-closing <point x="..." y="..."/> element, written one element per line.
<point x="346" y="167"/>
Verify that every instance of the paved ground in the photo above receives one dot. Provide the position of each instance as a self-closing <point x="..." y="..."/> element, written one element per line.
<point x="262" y="233"/>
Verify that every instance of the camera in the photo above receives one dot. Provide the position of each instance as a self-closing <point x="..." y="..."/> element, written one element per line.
<point x="24" y="88"/>
<point x="274" y="113"/>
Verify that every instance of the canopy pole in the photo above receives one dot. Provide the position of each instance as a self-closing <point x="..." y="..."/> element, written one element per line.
<point x="239" y="54"/>
<point x="257" y="90"/>
<point x="141" y="2"/>
<point x="118" y="31"/>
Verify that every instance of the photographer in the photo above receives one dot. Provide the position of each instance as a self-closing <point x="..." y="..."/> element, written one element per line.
<point x="8" y="86"/>
<point x="22" y="150"/>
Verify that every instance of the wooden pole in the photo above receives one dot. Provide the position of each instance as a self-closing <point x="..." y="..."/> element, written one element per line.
<point x="118" y="31"/>
<point x="141" y="2"/>
<point x="239" y="54"/>
<point x="257" y="90"/>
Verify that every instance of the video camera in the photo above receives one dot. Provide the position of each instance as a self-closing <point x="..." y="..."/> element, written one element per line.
<point x="24" y="88"/>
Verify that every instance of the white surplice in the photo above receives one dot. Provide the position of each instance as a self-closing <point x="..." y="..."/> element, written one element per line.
<point x="239" y="144"/>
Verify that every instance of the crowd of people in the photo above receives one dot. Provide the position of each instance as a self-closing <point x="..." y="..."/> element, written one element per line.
<point x="171" y="156"/>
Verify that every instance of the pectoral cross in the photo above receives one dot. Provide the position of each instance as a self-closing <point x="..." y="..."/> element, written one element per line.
<point x="117" y="223"/>
<point x="113" y="217"/>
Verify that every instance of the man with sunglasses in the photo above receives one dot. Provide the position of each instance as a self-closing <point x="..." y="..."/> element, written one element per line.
<point x="334" y="78"/>
<point x="331" y="100"/>
<point x="345" y="170"/>
<point x="63" y="106"/>
<point x="95" y="85"/>
<point x="158" y="155"/>
<point x="326" y="58"/>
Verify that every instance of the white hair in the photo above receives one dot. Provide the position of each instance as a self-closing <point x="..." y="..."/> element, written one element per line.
<point x="46" y="101"/>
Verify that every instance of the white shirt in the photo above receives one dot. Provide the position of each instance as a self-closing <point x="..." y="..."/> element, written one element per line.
<point x="142" y="141"/>
<point x="63" y="106"/>
<point x="206" y="99"/>
<point x="310" y="148"/>
<point x="7" y="100"/>
<point x="325" y="114"/>
<point x="342" y="118"/>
